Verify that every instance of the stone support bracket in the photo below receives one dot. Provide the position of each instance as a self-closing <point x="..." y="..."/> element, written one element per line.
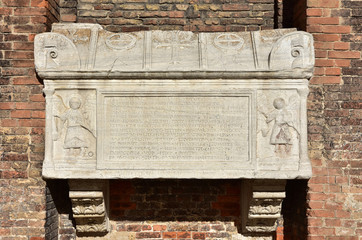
<point x="261" y="207"/>
<point x="89" y="206"/>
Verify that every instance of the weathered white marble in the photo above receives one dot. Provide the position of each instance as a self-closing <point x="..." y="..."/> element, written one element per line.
<point x="175" y="104"/>
<point x="86" y="50"/>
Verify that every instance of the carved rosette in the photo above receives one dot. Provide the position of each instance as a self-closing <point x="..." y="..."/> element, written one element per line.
<point x="264" y="206"/>
<point x="89" y="209"/>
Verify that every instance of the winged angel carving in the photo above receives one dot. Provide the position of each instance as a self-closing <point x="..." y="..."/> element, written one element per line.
<point x="281" y="124"/>
<point x="73" y="125"/>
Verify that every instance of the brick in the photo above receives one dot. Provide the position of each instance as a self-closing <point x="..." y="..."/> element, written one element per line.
<point x="148" y="235"/>
<point x="156" y="7"/>
<point x="235" y="7"/>
<point x="324" y="63"/>
<point x="16" y="3"/>
<point x="323" y="3"/>
<point x="342" y="63"/>
<point x="13" y="174"/>
<point x="6" y="11"/>
<point x="15" y="37"/>
<point x="321" y="213"/>
<point x="29" y="11"/>
<point x="68" y="18"/>
<point x="317" y="12"/>
<point x="35" y="105"/>
<point x="39" y="20"/>
<point x="30" y="28"/>
<point x="341" y="45"/>
<point x="159" y="228"/>
<point x="327" y="37"/>
<point x="23" y="46"/>
<point x="323" y="45"/>
<point x="263" y="7"/>
<point x="19" y="54"/>
<point x="38" y="114"/>
<point x="20" y="114"/>
<point x="132" y="6"/>
<point x="176" y="14"/>
<point x="321" y="231"/>
<point x="134" y="228"/>
<point x="343" y="214"/>
<point x="323" y="20"/>
<point x="344" y="54"/>
<point x="26" y="80"/>
<point x="198" y="235"/>
<point x="333" y="71"/>
<point x="336" y="29"/>
<point x="89" y="13"/>
<point x="31" y="122"/>
<point x="37" y="98"/>
<point x="14" y="20"/>
<point x="321" y="54"/>
<point x="7" y="105"/>
<point x="39" y="3"/>
<point x="183" y="235"/>
<point x="172" y="235"/>
<point x="316" y="205"/>
<point x="104" y="7"/>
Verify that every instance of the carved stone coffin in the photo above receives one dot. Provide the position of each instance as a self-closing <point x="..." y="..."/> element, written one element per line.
<point x="173" y="104"/>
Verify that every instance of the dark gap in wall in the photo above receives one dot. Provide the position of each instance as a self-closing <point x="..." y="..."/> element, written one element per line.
<point x="278" y="18"/>
<point x="294" y="210"/>
<point x="295" y="14"/>
<point x="57" y="203"/>
<point x="52" y="217"/>
<point x="294" y="207"/>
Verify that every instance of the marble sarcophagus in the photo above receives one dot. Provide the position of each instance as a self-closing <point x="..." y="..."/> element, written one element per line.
<point x="174" y="104"/>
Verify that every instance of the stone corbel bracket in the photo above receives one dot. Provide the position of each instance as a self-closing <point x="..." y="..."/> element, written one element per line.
<point x="89" y="206"/>
<point x="262" y="206"/>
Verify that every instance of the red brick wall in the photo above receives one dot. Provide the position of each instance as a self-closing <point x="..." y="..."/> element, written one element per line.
<point x="22" y="191"/>
<point x="334" y="196"/>
<point x="333" y="200"/>
<point x="192" y="209"/>
<point x="190" y="15"/>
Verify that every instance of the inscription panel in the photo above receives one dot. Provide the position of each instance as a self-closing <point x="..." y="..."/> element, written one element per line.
<point x="175" y="132"/>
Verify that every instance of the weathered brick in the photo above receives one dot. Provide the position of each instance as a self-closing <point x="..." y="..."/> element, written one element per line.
<point x="323" y="3"/>
<point x="344" y="54"/>
<point x="141" y="235"/>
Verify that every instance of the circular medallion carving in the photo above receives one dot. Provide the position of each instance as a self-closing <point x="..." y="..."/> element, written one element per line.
<point x="121" y="41"/>
<point x="229" y="41"/>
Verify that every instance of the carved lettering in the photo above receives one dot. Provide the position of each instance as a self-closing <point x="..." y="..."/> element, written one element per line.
<point x="177" y="130"/>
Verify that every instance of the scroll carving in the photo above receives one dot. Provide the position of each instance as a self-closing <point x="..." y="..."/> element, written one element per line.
<point x="292" y="51"/>
<point x="55" y="51"/>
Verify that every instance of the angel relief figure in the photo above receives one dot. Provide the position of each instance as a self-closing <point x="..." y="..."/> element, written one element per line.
<point x="281" y="136"/>
<point x="76" y="140"/>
